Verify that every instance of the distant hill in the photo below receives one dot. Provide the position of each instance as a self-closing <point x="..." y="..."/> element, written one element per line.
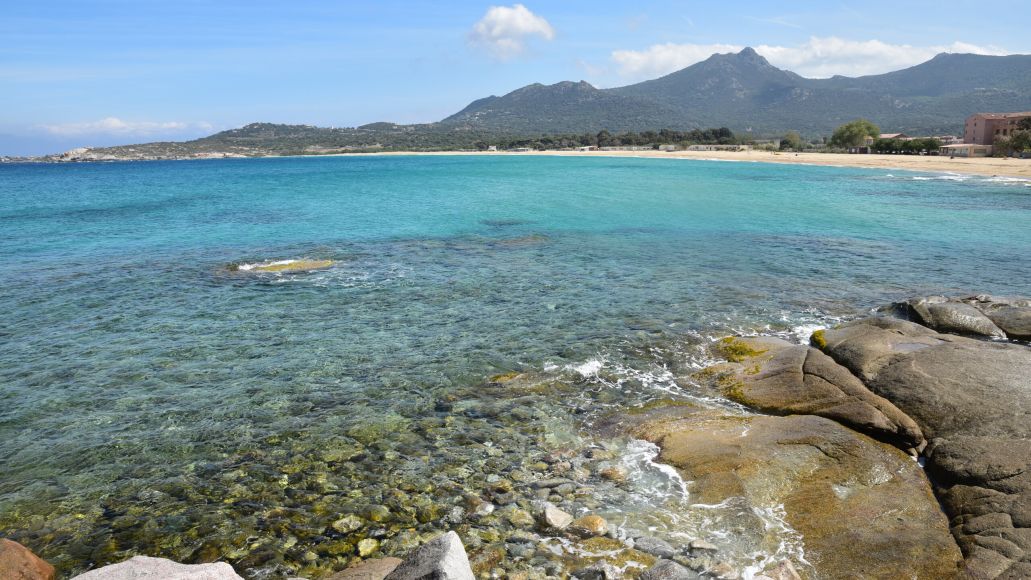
<point x="744" y="91"/>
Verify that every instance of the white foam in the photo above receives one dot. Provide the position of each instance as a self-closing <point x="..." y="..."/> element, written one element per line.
<point x="247" y="267"/>
<point x="589" y="368"/>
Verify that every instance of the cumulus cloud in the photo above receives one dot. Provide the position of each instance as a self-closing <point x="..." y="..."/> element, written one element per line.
<point x="504" y="30"/>
<point x="819" y="57"/>
<point x="116" y="126"/>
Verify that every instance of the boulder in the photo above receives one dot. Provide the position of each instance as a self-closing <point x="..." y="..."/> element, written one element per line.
<point x="442" y="558"/>
<point x="598" y="571"/>
<point x="802" y="380"/>
<point x="145" y="567"/>
<point x="375" y="569"/>
<point x="668" y="570"/>
<point x="972" y="399"/>
<point x="944" y="315"/>
<point x="551" y="518"/>
<point x="1012" y="315"/>
<point x="862" y="507"/>
<point x="589" y="525"/>
<point x="19" y="563"/>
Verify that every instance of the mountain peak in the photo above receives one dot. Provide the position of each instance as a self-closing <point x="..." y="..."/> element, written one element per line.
<point x="749" y="55"/>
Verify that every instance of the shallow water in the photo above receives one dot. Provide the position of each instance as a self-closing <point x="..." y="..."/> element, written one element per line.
<point x="155" y="401"/>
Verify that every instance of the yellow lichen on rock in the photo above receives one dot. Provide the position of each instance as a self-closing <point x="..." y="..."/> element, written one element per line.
<point x="737" y="350"/>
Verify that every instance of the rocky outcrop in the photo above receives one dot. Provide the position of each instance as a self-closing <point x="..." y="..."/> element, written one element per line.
<point x="442" y="558"/>
<point x="145" y="567"/>
<point x="981" y="315"/>
<point x="19" y="563"/>
<point x="972" y="400"/>
<point x="862" y="507"/>
<point x="375" y="569"/>
<point x="799" y="380"/>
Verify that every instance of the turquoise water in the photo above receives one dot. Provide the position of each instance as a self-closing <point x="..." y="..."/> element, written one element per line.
<point x="149" y="392"/>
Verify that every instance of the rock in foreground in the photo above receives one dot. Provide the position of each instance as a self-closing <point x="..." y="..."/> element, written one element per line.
<point x="442" y="558"/>
<point x="972" y="399"/>
<point x="19" y="563"/>
<point x="145" y="567"/>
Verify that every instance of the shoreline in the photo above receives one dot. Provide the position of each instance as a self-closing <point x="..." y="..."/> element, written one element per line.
<point x="981" y="166"/>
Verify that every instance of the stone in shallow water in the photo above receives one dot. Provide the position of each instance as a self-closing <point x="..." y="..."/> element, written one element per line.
<point x="668" y="570"/>
<point x="552" y="518"/>
<point x="290" y="266"/>
<point x="19" y="563"/>
<point x="589" y="525"/>
<point x="375" y="569"/>
<point x="655" y="547"/>
<point x="145" y="567"/>
<point x="442" y="558"/>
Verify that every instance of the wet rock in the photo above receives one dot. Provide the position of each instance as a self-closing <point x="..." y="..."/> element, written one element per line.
<point x="442" y="558"/>
<point x="375" y="569"/>
<point x="549" y="483"/>
<point x="722" y="571"/>
<point x="598" y="571"/>
<point x="348" y="524"/>
<point x="802" y="380"/>
<point x="654" y="546"/>
<point x="519" y="518"/>
<point x="668" y="570"/>
<point x="589" y="525"/>
<point x="702" y="546"/>
<point x="613" y="473"/>
<point x="376" y="513"/>
<point x="285" y="266"/>
<point x="552" y="518"/>
<point x="367" y="546"/>
<point x="147" y="567"/>
<point x="19" y="563"/>
<point x="971" y="398"/>
<point x="863" y="508"/>
<point x="784" y="570"/>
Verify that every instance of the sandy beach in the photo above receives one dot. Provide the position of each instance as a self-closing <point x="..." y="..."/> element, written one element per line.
<point x="990" y="166"/>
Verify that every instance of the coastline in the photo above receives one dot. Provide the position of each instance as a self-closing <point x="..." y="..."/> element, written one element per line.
<point x="982" y="166"/>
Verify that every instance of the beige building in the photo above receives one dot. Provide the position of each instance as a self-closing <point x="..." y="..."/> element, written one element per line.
<point x="985" y="128"/>
<point x="966" y="150"/>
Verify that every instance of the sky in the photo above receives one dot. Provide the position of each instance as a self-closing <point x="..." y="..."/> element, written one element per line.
<point x="104" y="72"/>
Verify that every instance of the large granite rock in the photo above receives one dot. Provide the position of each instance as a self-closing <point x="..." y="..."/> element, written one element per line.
<point x="145" y="567"/>
<point x="862" y="507"/>
<point x="19" y="563"/>
<point x="972" y="400"/>
<point x="799" y="380"/>
<point x="442" y="558"/>
<point x="981" y="315"/>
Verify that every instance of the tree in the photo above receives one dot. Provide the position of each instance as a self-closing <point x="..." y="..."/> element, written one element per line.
<point x="1024" y="124"/>
<point x="854" y="134"/>
<point x="792" y="141"/>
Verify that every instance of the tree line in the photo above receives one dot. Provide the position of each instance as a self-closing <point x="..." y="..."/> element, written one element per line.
<point x="712" y="136"/>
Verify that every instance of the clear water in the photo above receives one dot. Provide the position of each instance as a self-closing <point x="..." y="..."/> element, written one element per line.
<point x="154" y="401"/>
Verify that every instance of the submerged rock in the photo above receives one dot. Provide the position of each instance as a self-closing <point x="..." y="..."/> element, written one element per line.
<point x="375" y="569"/>
<point x="284" y="266"/>
<point x="441" y="558"/>
<point x="551" y="518"/>
<point x="863" y="508"/>
<point x="589" y="525"/>
<point x="655" y="547"/>
<point x="972" y="399"/>
<point x="139" y="567"/>
<point x="668" y="570"/>
<point x="19" y="563"/>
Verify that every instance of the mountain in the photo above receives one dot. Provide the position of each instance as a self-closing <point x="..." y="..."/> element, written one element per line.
<point x="745" y="92"/>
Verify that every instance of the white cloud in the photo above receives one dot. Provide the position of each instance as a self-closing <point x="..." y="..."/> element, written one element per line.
<point x="817" y="58"/>
<point x="504" y="30"/>
<point x="116" y="126"/>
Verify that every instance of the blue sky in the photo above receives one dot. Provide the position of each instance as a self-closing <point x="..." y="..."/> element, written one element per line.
<point x="119" y="71"/>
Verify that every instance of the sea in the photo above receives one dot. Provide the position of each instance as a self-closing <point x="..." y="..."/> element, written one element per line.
<point x="160" y="395"/>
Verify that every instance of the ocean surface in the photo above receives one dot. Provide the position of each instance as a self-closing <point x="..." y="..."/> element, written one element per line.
<point x="157" y="398"/>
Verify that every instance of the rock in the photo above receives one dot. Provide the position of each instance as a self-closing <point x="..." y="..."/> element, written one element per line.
<point x="19" y="563"/>
<point x="375" y="569"/>
<point x="442" y="558"/>
<point x="655" y="547"/>
<point x="367" y="546"/>
<point x="598" y="571"/>
<point x="803" y="380"/>
<point x="589" y="525"/>
<point x="972" y="400"/>
<point x="140" y="567"/>
<point x="723" y="571"/>
<point x="347" y="524"/>
<point x="519" y="518"/>
<point x="1014" y="321"/>
<point x="702" y="546"/>
<point x="549" y="483"/>
<point x="784" y="570"/>
<point x="552" y="518"/>
<point x="862" y="507"/>
<point x="943" y="315"/>
<point x="285" y="266"/>
<point x="376" y="513"/>
<point x="613" y="473"/>
<point x="668" y="570"/>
